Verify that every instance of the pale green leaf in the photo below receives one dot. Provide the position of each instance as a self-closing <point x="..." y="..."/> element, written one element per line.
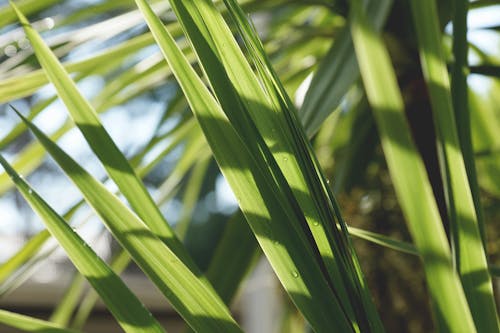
<point x="408" y="173"/>
<point x="30" y="324"/>
<point x="103" y="146"/>
<point x="189" y="294"/>
<point x="125" y="307"/>
<point x="470" y="256"/>
<point x="285" y="247"/>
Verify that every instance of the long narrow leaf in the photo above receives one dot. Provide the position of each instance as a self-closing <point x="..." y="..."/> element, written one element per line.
<point x="384" y="241"/>
<point x="190" y="295"/>
<point x="485" y="124"/>
<point x="64" y="310"/>
<point x="285" y="247"/>
<point x="103" y="146"/>
<point x="21" y="86"/>
<point x="233" y="257"/>
<point x="118" y="265"/>
<point x="29" y="324"/>
<point x="411" y="187"/>
<point x="337" y="72"/>
<point x="27" y="251"/>
<point x="123" y="304"/>
<point x="320" y="204"/>
<point x="469" y="250"/>
<point x="246" y="105"/>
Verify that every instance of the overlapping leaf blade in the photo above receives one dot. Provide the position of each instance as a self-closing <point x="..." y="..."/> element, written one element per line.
<point x="264" y="204"/>
<point x="190" y="295"/>
<point x="103" y="146"/>
<point x="30" y="324"/>
<point x="123" y="304"/>
<point x="21" y="86"/>
<point x="307" y="173"/>
<point x="411" y="187"/>
<point x="469" y="250"/>
<point x="484" y="124"/>
<point x="27" y="251"/>
<point x="337" y="72"/>
<point x="274" y="116"/>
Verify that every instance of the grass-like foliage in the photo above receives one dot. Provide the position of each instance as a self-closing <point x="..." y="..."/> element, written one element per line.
<point x="236" y="100"/>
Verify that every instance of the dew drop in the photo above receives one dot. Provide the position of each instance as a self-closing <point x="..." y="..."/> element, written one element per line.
<point x="315" y="223"/>
<point x="10" y="50"/>
<point x="285" y="159"/>
<point x="23" y="43"/>
<point x="295" y="274"/>
<point x="30" y="191"/>
<point x="328" y="181"/>
<point x="49" y="22"/>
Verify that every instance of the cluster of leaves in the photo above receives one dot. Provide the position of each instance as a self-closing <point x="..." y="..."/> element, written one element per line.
<point x="239" y="94"/>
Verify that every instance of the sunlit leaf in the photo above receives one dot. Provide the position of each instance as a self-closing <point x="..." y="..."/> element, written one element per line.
<point x="124" y="305"/>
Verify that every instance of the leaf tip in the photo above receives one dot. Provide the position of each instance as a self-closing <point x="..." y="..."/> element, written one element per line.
<point x="19" y="14"/>
<point x="17" y="111"/>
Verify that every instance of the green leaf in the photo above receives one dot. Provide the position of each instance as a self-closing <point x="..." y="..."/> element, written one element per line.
<point x="189" y="294"/>
<point x="7" y="15"/>
<point x="488" y="70"/>
<point x="469" y="250"/>
<point x="246" y="105"/>
<point x="384" y="241"/>
<point x="27" y="251"/>
<point x="192" y="193"/>
<point x="483" y="3"/>
<point x="118" y="265"/>
<point x="103" y="146"/>
<point x="64" y="310"/>
<point x="29" y="324"/>
<point x="233" y="257"/>
<point x="485" y="124"/>
<point x="125" y="307"/>
<point x="337" y="72"/>
<point x="260" y="198"/>
<point x="459" y="93"/>
<point x="408" y="173"/>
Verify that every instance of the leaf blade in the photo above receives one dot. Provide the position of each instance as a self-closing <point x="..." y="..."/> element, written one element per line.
<point x="123" y="304"/>
<point x="189" y="294"/>
<point x="463" y="204"/>
<point x="424" y="220"/>
<point x="30" y="324"/>
<point x="230" y="152"/>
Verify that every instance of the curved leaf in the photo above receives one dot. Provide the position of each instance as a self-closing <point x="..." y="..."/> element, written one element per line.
<point x="123" y="304"/>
